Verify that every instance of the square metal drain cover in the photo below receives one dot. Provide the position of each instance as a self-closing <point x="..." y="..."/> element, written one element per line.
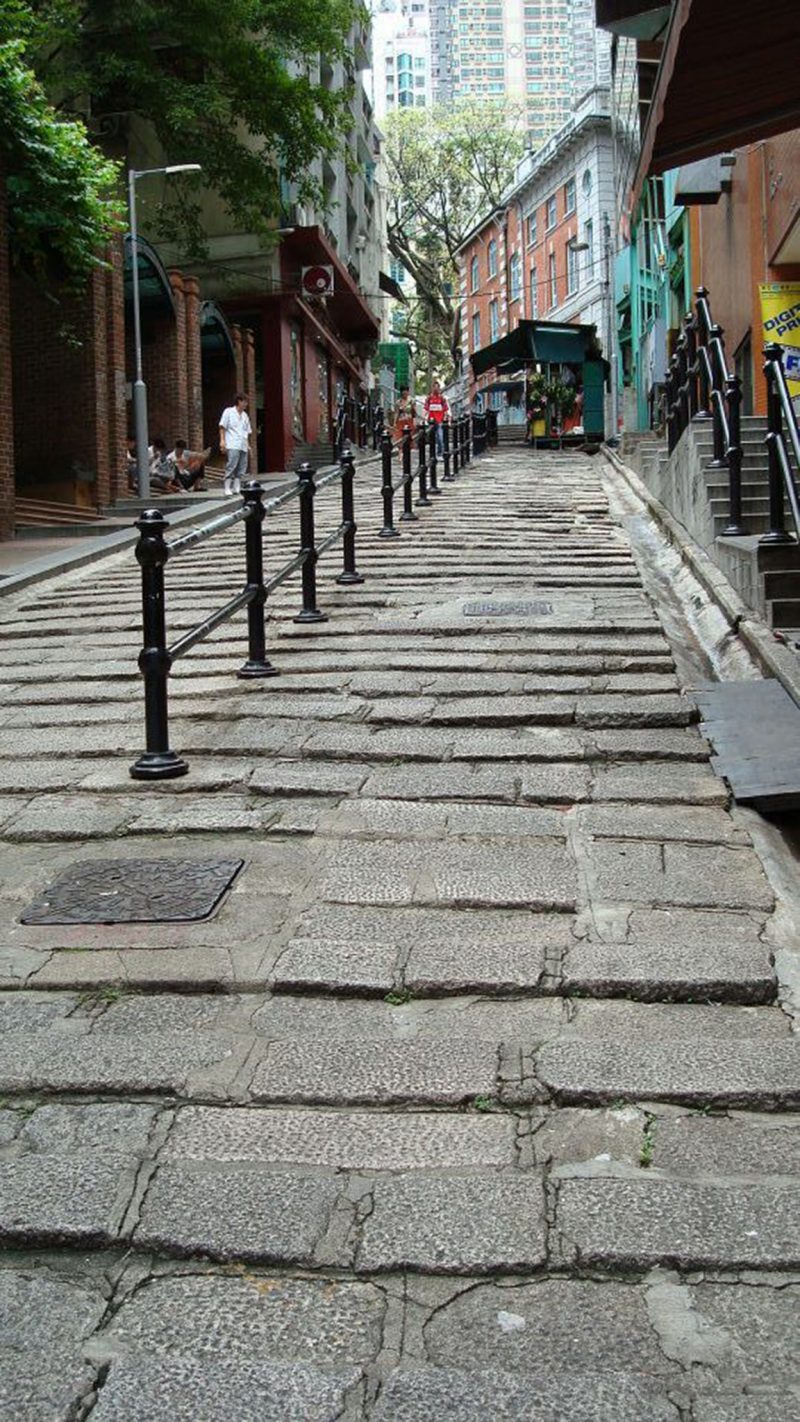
<point x="134" y="891"/>
<point x="507" y="609"/>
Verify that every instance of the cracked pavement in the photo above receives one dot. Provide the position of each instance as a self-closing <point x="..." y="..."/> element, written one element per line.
<point x="477" y="1096"/>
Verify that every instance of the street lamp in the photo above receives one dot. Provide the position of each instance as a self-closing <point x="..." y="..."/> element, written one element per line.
<point x="139" y="390"/>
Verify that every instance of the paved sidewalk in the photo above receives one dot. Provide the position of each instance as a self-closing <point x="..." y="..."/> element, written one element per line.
<point x="473" y="1101"/>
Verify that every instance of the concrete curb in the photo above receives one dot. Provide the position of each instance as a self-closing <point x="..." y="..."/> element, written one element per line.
<point x="89" y="550"/>
<point x="773" y="657"/>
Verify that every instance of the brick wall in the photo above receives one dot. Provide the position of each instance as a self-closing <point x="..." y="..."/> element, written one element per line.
<point x="220" y="384"/>
<point x="6" y="399"/>
<point x="194" y="365"/>
<point x="60" y="361"/>
<point x="171" y="363"/>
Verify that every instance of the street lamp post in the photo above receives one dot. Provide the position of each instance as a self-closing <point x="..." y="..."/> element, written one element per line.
<point x="139" y="388"/>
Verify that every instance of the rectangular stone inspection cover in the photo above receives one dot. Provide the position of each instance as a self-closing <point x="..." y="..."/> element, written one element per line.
<point x="134" y="891"/>
<point x="507" y="609"/>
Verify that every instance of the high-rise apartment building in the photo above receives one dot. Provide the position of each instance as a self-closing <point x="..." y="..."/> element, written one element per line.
<point x="401" y="46"/>
<point x="540" y="55"/>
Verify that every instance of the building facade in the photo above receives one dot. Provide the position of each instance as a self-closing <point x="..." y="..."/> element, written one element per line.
<point x="401" y="55"/>
<point x="728" y="221"/>
<point x="542" y="56"/>
<point x="544" y="254"/>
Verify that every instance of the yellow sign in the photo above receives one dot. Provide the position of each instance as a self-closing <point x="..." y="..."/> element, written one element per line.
<point x="780" y="313"/>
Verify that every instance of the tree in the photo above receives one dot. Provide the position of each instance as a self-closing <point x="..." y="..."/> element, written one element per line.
<point x="61" y="190"/>
<point x="447" y="168"/>
<point x="232" y="84"/>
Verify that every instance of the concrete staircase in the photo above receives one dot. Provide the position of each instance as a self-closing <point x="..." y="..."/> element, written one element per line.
<point x="767" y="576"/>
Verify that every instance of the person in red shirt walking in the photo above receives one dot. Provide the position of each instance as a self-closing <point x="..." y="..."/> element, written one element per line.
<point x="437" y="409"/>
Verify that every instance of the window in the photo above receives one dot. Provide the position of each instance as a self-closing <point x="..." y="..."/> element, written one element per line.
<point x="531" y="229"/>
<point x="515" y="276"/>
<point x="534" y="294"/>
<point x="588" y="237"/>
<point x="551" y="212"/>
<point x="569" y="196"/>
<point x="494" y="320"/>
<point x="492" y="258"/>
<point x="476" y="331"/>
<point x="474" y="274"/>
<point x="573" y="280"/>
<point x="553" y="279"/>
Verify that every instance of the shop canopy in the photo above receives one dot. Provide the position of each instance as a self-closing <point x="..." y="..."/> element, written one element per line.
<point x="538" y="342"/>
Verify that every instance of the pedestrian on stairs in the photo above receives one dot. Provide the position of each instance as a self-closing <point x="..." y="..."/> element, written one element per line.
<point x="437" y="409"/>
<point x="234" y="442"/>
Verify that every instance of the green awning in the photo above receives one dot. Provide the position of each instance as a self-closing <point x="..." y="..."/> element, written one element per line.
<point x="540" y="342"/>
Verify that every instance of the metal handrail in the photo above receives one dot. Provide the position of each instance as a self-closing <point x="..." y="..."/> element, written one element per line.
<point x="781" y="418"/>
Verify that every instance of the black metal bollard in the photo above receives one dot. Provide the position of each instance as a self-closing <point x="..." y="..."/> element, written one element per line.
<point x="447" y="477"/>
<point x="256" y="664"/>
<point x="408" y="515"/>
<point x="456" y="432"/>
<point x="387" y="490"/>
<point x="349" y="573"/>
<point x="433" y="456"/>
<point x="468" y="436"/>
<point x="777" y="514"/>
<point x="362" y="425"/>
<point x="158" y="762"/>
<point x="309" y="612"/>
<point x="422" y="470"/>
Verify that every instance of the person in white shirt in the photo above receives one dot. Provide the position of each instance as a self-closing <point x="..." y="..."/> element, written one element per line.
<point x="234" y="443"/>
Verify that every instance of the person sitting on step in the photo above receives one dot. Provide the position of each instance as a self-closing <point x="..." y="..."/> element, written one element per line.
<point x="189" y="466"/>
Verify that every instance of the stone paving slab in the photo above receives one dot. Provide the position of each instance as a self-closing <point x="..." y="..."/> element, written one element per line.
<point x="380" y="873"/>
<point x="343" y="1140"/>
<point x="44" y="1322"/>
<point x="676" y="873"/>
<point x="516" y="1325"/>
<point x="196" y="1390"/>
<point x="277" y="1319"/>
<point x="628" y="1224"/>
<point x="158" y="1063"/>
<point x="741" y="1145"/>
<point x="419" y="1394"/>
<point x="688" y="823"/>
<point x="236" y="1211"/>
<point x="342" y="1072"/>
<point x="754" y="1073"/>
<point x="463" y="1224"/>
<point x="52" y="1199"/>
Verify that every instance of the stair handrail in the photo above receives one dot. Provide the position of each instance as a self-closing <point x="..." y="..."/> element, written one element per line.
<point x="781" y="419"/>
<point x="719" y="396"/>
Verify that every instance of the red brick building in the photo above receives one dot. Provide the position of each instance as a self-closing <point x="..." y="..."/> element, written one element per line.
<point x="540" y="255"/>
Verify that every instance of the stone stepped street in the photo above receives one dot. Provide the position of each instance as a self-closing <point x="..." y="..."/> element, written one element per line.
<point x="474" y="1098"/>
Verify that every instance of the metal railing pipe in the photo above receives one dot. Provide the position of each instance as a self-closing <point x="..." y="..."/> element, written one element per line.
<point x="778" y="468"/>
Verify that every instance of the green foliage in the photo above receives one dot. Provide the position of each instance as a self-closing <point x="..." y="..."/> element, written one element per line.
<point x="231" y="84"/>
<point x="61" y="190"/>
<point x="448" y="167"/>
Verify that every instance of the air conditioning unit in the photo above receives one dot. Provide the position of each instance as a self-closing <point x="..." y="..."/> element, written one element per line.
<point x="316" y="281"/>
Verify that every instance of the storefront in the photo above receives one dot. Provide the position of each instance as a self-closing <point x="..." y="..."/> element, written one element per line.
<point x="555" y="376"/>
